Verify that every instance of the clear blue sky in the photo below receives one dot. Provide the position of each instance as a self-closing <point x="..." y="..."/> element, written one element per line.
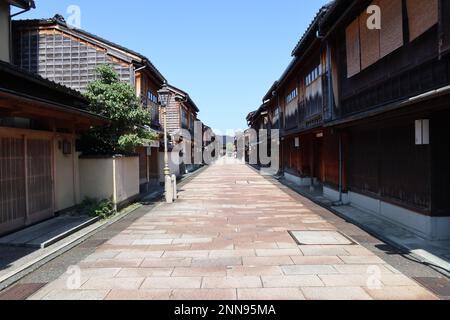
<point x="225" y="53"/>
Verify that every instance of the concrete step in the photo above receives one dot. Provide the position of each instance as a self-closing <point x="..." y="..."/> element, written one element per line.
<point x="48" y="232"/>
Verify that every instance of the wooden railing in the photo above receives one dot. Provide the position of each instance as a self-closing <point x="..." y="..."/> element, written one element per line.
<point x="425" y="77"/>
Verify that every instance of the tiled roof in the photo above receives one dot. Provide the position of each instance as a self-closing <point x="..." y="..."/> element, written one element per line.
<point x="311" y="31"/>
<point x="23" y="83"/>
<point x="302" y="45"/>
<point x="7" y="67"/>
<point x="269" y="93"/>
<point x="186" y="95"/>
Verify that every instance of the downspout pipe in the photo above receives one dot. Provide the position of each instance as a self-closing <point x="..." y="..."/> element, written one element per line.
<point x="135" y="73"/>
<point x="31" y="5"/>
<point x="341" y="172"/>
<point x="20" y="12"/>
<point x="330" y="84"/>
<point x="329" y="116"/>
<point x="340" y="168"/>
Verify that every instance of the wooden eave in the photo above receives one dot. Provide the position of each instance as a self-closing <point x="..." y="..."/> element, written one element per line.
<point x="14" y="104"/>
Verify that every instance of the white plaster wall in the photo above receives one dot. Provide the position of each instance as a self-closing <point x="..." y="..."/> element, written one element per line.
<point x="333" y="195"/>
<point x="96" y="178"/>
<point x="364" y="202"/>
<point x="441" y="227"/>
<point x="66" y="180"/>
<point x="304" y="182"/>
<point x="127" y="178"/>
<point x="77" y="177"/>
<point x="4" y="31"/>
<point x="431" y="228"/>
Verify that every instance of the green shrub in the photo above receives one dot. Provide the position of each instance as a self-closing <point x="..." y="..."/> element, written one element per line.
<point x="130" y="120"/>
<point x="95" y="208"/>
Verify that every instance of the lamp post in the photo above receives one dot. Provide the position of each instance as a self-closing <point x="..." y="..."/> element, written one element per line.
<point x="165" y="95"/>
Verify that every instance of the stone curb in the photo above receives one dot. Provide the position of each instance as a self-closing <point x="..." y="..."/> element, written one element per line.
<point x="25" y="269"/>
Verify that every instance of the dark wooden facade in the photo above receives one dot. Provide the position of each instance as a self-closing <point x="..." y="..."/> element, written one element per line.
<point x="383" y="160"/>
<point x="352" y="125"/>
<point x="297" y="105"/>
<point x="257" y="120"/>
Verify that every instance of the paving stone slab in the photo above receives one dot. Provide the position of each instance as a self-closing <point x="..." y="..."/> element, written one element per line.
<point x="320" y="238"/>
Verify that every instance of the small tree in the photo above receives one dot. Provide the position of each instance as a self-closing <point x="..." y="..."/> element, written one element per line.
<point x="117" y="101"/>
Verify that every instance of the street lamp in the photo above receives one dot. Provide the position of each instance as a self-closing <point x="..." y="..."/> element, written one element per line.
<point x="165" y="95"/>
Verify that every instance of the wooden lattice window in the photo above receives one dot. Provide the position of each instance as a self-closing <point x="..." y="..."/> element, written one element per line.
<point x="12" y="180"/>
<point x="422" y="15"/>
<point x="391" y="33"/>
<point x="353" y="49"/>
<point x="369" y="41"/>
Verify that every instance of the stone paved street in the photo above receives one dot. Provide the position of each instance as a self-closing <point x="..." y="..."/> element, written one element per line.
<point x="227" y="238"/>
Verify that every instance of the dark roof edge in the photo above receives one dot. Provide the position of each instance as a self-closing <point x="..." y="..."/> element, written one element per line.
<point x="23" y="4"/>
<point x="255" y="114"/>
<point x="337" y="9"/>
<point x="312" y="29"/>
<point x="288" y="71"/>
<point x="186" y="96"/>
<point x="269" y="93"/>
<point x="41" y="80"/>
<point x="58" y="106"/>
<point x="303" y="44"/>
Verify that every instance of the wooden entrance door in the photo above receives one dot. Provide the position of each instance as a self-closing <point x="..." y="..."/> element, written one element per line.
<point x="26" y="181"/>
<point x="319" y="169"/>
<point x="39" y="179"/>
<point x="12" y="184"/>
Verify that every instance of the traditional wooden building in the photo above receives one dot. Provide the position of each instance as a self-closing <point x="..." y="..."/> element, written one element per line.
<point x="257" y="120"/>
<point x="182" y="116"/>
<point x="39" y="124"/>
<point x="297" y="105"/>
<point x="70" y="56"/>
<point x="392" y="91"/>
<point x="363" y="110"/>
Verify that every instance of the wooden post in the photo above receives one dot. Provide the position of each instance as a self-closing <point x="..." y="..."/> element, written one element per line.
<point x="114" y="184"/>
<point x="74" y="171"/>
<point x="311" y="161"/>
<point x="53" y="168"/>
<point x="25" y="157"/>
<point x="148" y="159"/>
